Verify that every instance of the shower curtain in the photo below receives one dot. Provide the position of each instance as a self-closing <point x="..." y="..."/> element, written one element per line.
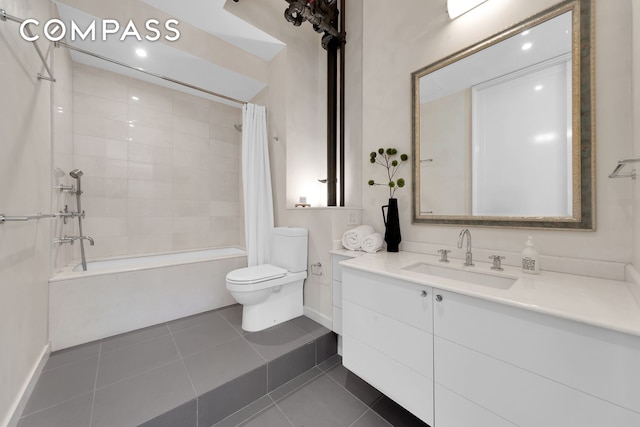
<point x="256" y="183"/>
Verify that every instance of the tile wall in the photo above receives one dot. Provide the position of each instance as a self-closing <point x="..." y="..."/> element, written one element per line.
<point x="161" y="167"/>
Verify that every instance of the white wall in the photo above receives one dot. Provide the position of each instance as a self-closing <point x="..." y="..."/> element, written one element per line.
<point x="635" y="5"/>
<point x="25" y="171"/>
<point x="161" y="167"/>
<point x="402" y="39"/>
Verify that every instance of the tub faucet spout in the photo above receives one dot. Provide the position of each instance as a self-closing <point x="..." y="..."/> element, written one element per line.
<point x="469" y="257"/>
<point x="90" y="239"/>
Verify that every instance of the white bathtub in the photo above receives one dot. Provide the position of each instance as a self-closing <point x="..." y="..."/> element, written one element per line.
<point x="121" y="295"/>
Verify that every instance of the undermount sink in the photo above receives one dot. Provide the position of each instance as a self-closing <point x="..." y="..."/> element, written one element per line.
<point x="469" y="276"/>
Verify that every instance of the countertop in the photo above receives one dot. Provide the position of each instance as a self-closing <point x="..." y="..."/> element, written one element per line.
<point x="600" y="302"/>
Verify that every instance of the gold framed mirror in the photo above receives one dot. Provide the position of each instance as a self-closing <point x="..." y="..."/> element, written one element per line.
<point x="503" y="131"/>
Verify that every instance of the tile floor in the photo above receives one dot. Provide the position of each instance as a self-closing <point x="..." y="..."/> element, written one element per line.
<point x="194" y="372"/>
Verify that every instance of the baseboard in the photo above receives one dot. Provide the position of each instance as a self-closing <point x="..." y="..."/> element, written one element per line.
<point x="27" y="388"/>
<point x="318" y="317"/>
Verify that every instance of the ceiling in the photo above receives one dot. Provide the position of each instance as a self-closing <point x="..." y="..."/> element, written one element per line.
<point x="166" y="60"/>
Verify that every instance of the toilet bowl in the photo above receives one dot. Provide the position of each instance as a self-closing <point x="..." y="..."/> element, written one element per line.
<point x="273" y="293"/>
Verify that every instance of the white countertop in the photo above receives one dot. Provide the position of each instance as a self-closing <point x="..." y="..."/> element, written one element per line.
<point x="600" y="302"/>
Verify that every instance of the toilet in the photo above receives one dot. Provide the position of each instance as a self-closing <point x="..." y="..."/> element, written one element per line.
<point x="272" y="293"/>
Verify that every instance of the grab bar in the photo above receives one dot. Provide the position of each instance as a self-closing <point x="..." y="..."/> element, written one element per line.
<point x="616" y="172"/>
<point x="62" y="214"/>
<point x="4" y="218"/>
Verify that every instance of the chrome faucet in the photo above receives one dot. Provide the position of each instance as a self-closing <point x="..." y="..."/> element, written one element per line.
<point x="469" y="258"/>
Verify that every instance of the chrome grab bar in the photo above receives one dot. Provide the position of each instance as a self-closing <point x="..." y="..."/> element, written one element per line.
<point x="4" y="218"/>
<point x="62" y="214"/>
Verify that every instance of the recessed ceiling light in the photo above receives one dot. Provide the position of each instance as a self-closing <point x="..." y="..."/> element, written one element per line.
<point x="135" y="98"/>
<point x="527" y="46"/>
<point x="141" y="52"/>
<point x="538" y="88"/>
<point x="524" y="33"/>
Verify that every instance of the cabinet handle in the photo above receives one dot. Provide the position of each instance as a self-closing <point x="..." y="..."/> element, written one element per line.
<point x="423" y="294"/>
<point x="438" y="298"/>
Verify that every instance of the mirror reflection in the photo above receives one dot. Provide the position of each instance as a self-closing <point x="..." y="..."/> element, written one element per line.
<point x="497" y="129"/>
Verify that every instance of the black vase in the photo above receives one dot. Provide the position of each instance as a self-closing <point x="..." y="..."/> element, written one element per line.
<point x="392" y="225"/>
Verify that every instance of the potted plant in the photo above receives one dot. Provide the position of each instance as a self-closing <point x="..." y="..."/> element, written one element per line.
<point x="387" y="159"/>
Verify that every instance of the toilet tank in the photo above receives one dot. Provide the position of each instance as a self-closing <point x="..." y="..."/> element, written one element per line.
<point x="289" y="248"/>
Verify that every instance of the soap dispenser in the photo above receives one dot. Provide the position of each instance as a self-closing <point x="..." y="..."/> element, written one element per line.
<point x="530" y="262"/>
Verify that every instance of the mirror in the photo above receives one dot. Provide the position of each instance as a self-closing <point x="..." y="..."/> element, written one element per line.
<point x="502" y="131"/>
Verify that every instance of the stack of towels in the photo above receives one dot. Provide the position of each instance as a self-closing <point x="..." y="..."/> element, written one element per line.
<point x="363" y="238"/>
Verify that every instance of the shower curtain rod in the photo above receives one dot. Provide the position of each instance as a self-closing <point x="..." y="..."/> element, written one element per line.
<point x="160" y="76"/>
<point x="4" y="16"/>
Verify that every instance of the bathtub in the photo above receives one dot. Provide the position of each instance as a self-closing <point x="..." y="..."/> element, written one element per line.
<point x="120" y="295"/>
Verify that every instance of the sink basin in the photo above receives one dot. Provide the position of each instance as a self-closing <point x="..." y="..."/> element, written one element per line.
<point x="469" y="276"/>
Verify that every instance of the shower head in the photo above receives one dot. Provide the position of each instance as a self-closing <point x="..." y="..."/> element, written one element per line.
<point x="238" y="127"/>
<point x="76" y="173"/>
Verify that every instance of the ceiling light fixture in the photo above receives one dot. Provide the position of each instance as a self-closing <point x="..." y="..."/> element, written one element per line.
<point x="527" y="46"/>
<point x="456" y="8"/>
<point x="141" y="53"/>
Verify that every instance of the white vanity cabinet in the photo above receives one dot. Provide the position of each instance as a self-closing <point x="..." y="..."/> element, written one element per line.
<point x="387" y="337"/>
<point x="510" y="366"/>
<point x="336" y="283"/>
<point x="455" y="360"/>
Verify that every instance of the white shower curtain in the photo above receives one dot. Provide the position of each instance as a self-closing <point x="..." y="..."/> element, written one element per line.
<point x="256" y="183"/>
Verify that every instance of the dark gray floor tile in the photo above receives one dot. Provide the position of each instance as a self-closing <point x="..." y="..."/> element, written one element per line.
<point x="311" y="327"/>
<point x="223" y="401"/>
<point x="322" y="403"/>
<point x="288" y="388"/>
<point x="278" y="340"/>
<point x="61" y="384"/>
<point x="207" y="333"/>
<point x="233" y="315"/>
<point x="134" y="359"/>
<point x="371" y="419"/>
<point x="134" y="337"/>
<point x="272" y="417"/>
<point x="185" y="415"/>
<point x="246" y="413"/>
<point x="72" y="355"/>
<point x="217" y="365"/>
<point x="75" y="412"/>
<point x="191" y="321"/>
<point x="141" y="398"/>
<point x="290" y="365"/>
<point x="355" y="385"/>
<point x="395" y="414"/>
<point x="334" y="360"/>
<point x="326" y="346"/>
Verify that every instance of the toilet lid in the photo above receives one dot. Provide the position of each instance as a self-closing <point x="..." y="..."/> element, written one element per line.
<point x="257" y="273"/>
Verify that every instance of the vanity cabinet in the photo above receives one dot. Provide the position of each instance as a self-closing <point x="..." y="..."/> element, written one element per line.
<point x="387" y="338"/>
<point x="336" y="283"/>
<point x="455" y="360"/>
<point x="530" y="369"/>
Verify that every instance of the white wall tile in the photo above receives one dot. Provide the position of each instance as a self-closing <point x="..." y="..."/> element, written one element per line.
<point x="191" y="106"/>
<point x="190" y="126"/>
<point x="156" y="185"/>
<point x="150" y="96"/>
<point x="150" y="136"/>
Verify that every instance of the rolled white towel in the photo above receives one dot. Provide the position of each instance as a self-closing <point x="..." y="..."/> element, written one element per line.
<point x="352" y="239"/>
<point x="372" y="243"/>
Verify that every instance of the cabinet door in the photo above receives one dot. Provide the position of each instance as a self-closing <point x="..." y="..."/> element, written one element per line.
<point x="516" y="395"/>
<point x="387" y="338"/>
<point x="594" y="360"/>
<point x="404" y="301"/>
<point x="454" y="410"/>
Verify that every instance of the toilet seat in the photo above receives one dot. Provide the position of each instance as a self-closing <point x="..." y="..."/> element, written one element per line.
<point x="255" y="274"/>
